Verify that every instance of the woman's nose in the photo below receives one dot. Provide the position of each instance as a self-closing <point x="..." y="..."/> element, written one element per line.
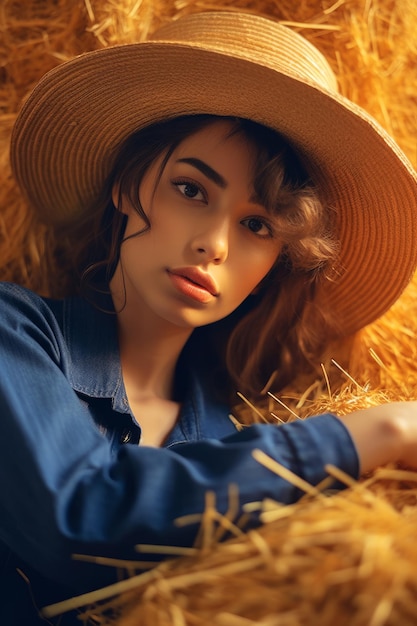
<point x="212" y="244"/>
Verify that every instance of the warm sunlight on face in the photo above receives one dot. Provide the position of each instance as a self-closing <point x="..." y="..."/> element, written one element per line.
<point x="210" y="242"/>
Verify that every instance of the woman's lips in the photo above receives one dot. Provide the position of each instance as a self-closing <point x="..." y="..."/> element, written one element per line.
<point x="194" y="283"/>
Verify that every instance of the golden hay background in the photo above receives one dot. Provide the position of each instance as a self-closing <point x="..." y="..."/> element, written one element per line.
<point x="350" y="559"/>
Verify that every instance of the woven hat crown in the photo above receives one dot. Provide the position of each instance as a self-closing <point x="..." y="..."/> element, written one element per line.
<point x="255" y="39"/>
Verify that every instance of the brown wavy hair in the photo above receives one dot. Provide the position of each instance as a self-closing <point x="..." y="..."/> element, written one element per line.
<point x="277" y="332"/>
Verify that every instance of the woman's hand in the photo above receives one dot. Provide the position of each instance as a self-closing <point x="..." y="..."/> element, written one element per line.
<point x="384" y="434"/>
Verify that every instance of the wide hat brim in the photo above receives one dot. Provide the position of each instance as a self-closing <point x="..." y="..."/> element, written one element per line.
<point x="69" y="130"/>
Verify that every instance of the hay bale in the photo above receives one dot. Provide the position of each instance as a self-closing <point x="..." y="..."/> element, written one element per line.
<point x="349" y="559"/>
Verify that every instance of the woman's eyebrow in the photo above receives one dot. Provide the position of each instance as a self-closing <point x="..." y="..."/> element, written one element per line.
<point x="206" y="170"/>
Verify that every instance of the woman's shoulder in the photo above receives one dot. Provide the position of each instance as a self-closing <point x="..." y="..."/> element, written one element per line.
<point x="17" y="300"/>
<point x="23" y="308"/>
<point x="14" y="291"/>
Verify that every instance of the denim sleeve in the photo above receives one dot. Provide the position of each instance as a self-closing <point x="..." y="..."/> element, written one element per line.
<point x="64" y="491"/>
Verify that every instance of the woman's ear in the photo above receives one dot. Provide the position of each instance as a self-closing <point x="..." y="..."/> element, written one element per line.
<point x="115" y="195"/>
<point x="118" y="199"/>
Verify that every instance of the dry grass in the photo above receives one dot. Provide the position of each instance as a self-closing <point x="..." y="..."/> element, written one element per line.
<point x="348" y="559"/>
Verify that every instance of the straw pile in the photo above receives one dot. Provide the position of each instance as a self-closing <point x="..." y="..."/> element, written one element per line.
<point x="349" y="559"/>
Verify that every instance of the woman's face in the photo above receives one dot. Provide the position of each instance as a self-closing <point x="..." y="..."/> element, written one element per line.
<point x="210" y="241"/>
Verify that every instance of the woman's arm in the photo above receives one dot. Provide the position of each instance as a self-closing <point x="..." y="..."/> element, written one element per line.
<point x="64" y="489"/>
<point x="383" y="434"/>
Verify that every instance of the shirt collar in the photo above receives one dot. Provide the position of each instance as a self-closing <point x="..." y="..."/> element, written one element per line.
<point x="94" y="370"/>
<point x="91" y="337"/>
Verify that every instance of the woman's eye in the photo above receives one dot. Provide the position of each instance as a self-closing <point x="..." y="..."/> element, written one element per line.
<point x="258" y="226"/>
<point x="190" y="190"/>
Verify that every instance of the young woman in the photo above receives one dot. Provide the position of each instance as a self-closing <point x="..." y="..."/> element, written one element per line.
<point x="237" y="215"/>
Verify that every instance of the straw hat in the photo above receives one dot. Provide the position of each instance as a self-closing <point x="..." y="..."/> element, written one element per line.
<point x="228" y="63"/>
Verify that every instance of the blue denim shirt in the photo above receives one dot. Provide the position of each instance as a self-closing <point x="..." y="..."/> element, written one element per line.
<point x="72" y="477"/>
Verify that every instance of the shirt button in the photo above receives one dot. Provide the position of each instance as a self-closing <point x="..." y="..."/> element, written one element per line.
<point x="126" y="436"/>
